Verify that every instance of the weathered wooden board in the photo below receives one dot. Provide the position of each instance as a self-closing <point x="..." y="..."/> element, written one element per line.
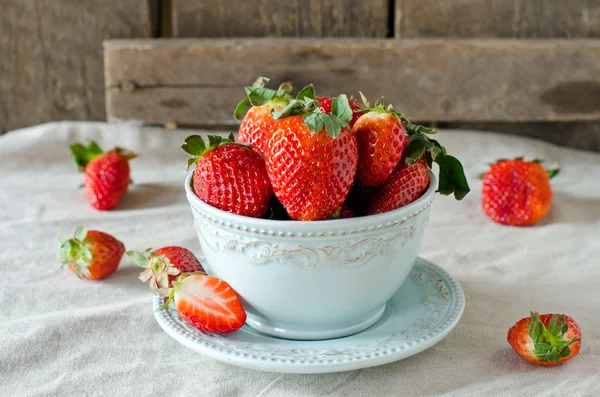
<point x="51" y="56"/>
<point x="200" y="81"/>
<point x="580" y="135"/>
<point x="280" y="18"/>
<point x="498" y="18"/>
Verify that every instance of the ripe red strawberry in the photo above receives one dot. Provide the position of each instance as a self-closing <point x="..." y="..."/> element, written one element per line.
<point x="106" y="174"/>
<point x="406" y="184"/>
<point x="311" y="158"/>
<point x="255" y="127"/>
<point x="356" y="109"/>
<point x="546" y="340"/>
<point x="91" y="254"/>
<point x="517" y="192"/>
<point x="163" y="265"/>
<point x="381" y="140"/>
<point x="229" y="176"/>
<point x="207" y="303"/>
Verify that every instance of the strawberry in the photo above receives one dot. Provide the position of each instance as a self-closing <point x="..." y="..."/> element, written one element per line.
<point x="255" y="127"/>
<point x="91" y="254"/>
<point x="163" y="265"/>
<point x="106" y="174"/>
<point x="410" y="179"/>
<point x="381" y="140"/>
<point x="311" y="157"/>
<point x="546" y="340"/>
<point x="517" y="192"/>
<point x="406" y="184"/>
<point x="229" y="176"/>
<point x="207" y="303"/>
<point x="357" y="111"/>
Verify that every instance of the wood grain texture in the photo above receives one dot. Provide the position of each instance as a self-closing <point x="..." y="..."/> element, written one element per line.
<point x="51" y="56"/>
<point x="498" y="18"/>
<point x="579" y="135"/>
<point x="200" y="81"/>
<point x="280" y="18"/>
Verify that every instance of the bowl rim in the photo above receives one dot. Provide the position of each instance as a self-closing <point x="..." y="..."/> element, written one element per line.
<point x="295" y="225"/>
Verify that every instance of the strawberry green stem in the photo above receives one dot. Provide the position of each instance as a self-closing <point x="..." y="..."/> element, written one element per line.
<point x="549" y="343"/>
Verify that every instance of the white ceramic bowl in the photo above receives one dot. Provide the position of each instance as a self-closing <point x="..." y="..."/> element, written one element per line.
<point x="312" y="280"/>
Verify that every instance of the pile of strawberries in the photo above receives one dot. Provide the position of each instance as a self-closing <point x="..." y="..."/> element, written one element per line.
<point x="322" y="158"/>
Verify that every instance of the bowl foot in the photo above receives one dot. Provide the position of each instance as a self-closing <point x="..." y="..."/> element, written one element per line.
<point x="293" y="331"/>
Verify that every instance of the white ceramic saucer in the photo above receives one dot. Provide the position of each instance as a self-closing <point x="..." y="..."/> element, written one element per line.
<point x="423" y="311"/>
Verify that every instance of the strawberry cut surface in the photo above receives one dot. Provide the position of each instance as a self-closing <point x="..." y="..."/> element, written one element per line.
<point x="208" y="304"/>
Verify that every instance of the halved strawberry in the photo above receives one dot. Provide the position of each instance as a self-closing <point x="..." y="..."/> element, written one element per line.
<point x="207" y="303"/>
<point x="546" y="340"/>
<point x="163" y="265"/>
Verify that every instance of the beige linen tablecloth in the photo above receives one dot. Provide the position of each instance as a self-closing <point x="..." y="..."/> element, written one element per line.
<point x="61" y="336"/>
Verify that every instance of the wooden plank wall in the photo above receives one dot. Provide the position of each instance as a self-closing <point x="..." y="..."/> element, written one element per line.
<point x="51" y="60"/>
<point x="201" y="81"/>
<point x="280" y="18"/>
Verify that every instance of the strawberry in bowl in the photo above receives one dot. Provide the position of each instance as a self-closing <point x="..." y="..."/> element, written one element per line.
<point x="329" y="270"/>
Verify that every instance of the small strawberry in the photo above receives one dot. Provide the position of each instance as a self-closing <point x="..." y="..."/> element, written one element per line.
<point x="163" y="265"/>
<point x="546" y="340"/>
<point x="311" y="157"/>
<point x="229" y="176"/>
<point x="91" y="254"/>
<point x="357" y="111"/>
<point x="255" y="127"/>
<point x="517" y="192"/>
<point x="207" y="303"/>
<point x="106" y="174"/>
<point x="381" y="140"/>
<point x="406" y="184"/>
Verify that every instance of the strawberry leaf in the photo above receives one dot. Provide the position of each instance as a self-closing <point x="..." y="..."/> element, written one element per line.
<point x="196" y="146"/>
<point x="341" y="108"/>
<point x="239" y="109"/>
<point x="452" y="177"/>
<point x="414" y="151"/>
<point x="138" y="258"/>
<point x="82" y="155"/>
<point x="259" y="96"/>
<point x="80" y="233"/>
<point x="293" y="108"/>
<point x="306" y="92"/>
<point x="316" y="121"/>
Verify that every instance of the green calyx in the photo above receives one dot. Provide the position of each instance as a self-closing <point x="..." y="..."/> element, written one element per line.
<point x="157" y="270"/>
<point x="452" y="178"/>
<point x="196" y="146"/>
<point x="176" y="285"/>
<point x="257" y="95"/>
<point x="549" y="345"/>
<point x="74" y="254"/>
<point x="315" y="120"/>
<point x="552" y="171"/>
<point x="82" y="155"/>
